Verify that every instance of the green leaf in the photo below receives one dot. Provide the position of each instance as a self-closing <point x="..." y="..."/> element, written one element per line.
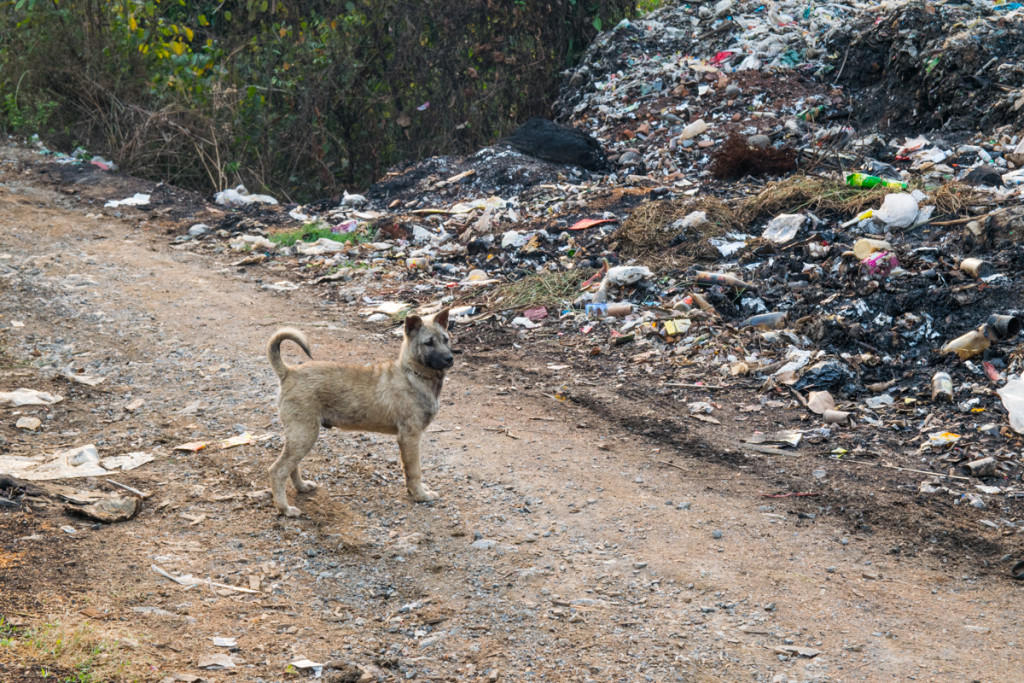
<point x="597" y="23"/>
<point x="227" y="15"/>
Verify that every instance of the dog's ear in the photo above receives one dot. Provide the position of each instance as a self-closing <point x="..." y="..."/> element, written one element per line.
<point x="412" y="323"/>
<point x="441" y="319"/>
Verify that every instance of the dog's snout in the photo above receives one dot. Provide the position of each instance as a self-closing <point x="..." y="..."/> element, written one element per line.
<point x="441" y="361"/>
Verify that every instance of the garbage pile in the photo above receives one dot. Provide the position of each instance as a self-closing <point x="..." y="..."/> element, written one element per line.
<point x="770" y="214"/>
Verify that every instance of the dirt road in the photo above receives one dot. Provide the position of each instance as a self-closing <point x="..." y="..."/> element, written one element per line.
<point x="564" y="548"/>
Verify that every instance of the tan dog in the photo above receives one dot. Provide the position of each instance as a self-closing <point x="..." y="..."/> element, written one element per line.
<point x="398" y="397"/>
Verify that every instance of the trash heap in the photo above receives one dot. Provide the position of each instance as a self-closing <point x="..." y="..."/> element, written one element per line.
<point x="771" y="214"/>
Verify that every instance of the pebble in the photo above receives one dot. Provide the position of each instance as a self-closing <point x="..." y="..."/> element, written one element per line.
<point x="717" y="533"/>
<point x="28" y="423"/>
<point x="629" y="157"/>
<point x="759" y="141"/>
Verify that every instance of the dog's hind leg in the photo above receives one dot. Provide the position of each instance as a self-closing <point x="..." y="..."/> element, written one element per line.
<point x="298" y="440"/>
<point x="409" y="445"/>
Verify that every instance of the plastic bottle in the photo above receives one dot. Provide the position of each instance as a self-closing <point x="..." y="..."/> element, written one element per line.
<point x="723" y="279"/>
<point x="603" y="310"/>
<point x="968" y="345"/>
<point x="942" y="387"/>
<point x="866" y="247"/>
<point x="418" y="263"/>
<point x="866" y="180"/>
<point x="767" y="321"/>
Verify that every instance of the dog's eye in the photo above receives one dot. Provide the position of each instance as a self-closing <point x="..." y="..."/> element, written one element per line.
<point x="429" y="342"/>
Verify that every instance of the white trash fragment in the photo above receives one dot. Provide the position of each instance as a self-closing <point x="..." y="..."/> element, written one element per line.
<point x="281" y="286"/>
<point x="127" y="462"/>
<point x="523" y="321"/>
<point x="29" y="397"/>
<point x="82" y="378"/>
<point x="784" y="227"/>
<point x="303" y="664"/>
<point x="899" y="210"/>
<point x="797" y="358"/>
<point x="514" y="239"/>
<point x="239" y="196"/>
<point x="1012" y="396"/>
<point x="694" y="219"/>
<point x="726" y="247"/>
<point x="216" y="662"/>
<point x="876" y="402"/>
<point x="620" y="276"/>
<point x="353" y="200"/>
<point x="324" y="245"/>
<point x="83" y="461"/>
<point x="252" y="243"/>
<point x="137" y="199"/>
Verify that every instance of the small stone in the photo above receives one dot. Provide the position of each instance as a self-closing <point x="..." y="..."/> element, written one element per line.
<point x="733" y="90"/>
<point x="639" y="565"/>
<point x="692" y="130"/>
<point x="684" y="506"/>
<point x="717" y="533"/>
<point x="30" y="424"/>
<point x="198" y="230"/>
<point x="629" y="157"/>
<point x="759" y="141"/>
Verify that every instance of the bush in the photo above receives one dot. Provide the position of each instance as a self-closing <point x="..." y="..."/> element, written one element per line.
<point x="295" y="98"/>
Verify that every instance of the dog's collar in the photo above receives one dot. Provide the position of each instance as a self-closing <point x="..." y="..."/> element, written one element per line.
<point x="430" y="375"/>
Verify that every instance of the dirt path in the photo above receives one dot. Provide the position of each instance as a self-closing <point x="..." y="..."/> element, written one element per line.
<point x="563" y="549"/>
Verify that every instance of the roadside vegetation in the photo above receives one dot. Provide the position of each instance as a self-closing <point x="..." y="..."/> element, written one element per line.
<point x="298" y="98"/>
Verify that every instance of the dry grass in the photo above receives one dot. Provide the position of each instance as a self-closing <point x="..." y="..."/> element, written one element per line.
<point x="94" y="652"/>
<point x="825" y="198"/>
<point x="647" y="232"/>
<point x="542" y="289"/>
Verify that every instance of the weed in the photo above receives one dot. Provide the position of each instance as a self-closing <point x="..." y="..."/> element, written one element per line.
<point x="314" y="232"/>
<point x="542" y="289"/>
<point x="90" y="655"/>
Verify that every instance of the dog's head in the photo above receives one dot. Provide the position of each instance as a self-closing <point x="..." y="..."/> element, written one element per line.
<point x="428" y="342"/>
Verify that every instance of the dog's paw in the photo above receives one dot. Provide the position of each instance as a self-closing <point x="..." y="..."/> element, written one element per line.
<point x="306" y="486"/>
<point x="291" y="511"/>
<point x="424" y="495"/>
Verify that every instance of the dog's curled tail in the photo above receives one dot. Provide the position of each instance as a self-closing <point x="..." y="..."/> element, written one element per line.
<point x="274" y="348"/>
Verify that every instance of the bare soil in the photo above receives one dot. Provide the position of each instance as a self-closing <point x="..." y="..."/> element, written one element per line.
<point x="585" y="531"/>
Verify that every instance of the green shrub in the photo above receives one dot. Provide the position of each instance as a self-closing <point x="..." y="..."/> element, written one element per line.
<point x="295" y="98"/>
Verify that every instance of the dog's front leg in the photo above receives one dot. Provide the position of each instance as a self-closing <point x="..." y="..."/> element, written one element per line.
<point x="409" y="445"/>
